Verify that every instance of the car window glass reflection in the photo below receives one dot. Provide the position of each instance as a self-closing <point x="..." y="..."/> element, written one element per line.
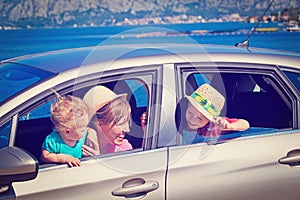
<point x="4" y="134"/>
<point x="39" y="112"/>
<point x="14" y="78"/>
<point x="294" y="78"/>
<point x="35" y="125"/>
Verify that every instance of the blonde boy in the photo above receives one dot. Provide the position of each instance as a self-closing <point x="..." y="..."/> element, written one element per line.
<point x="64" y="144"/>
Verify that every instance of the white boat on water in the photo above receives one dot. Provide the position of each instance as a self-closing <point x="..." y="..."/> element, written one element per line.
<point x="295" y="28"/>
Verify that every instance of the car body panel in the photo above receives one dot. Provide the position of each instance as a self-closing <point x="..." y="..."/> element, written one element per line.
<point x="96" y="177"/>
<point x="226" y="170"/>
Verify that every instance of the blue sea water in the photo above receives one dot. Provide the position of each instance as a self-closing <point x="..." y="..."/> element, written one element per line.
<point x="28" y="41"/>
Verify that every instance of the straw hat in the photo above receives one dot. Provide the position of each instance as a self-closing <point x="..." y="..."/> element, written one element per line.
<point x="99" y="96"/>
<point x="208" y="101"/>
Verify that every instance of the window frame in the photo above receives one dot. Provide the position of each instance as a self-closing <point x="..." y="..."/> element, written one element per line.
<point x="146" y="74"/>
<point x="185" y="69"/>
<point x="294" y="71"/>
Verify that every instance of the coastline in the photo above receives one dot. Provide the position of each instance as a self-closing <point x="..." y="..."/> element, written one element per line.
<point x="20" y="42"/>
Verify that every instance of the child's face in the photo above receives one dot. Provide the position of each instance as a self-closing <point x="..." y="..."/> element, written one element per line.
<point x="194" y="118"/>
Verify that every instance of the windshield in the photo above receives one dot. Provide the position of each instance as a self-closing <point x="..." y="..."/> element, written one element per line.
<point x="14" y="78"/>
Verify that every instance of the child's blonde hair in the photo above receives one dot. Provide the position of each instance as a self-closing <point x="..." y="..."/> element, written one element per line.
<point x="68" y="111"/>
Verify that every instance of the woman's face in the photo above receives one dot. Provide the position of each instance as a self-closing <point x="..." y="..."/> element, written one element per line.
<point x="115" y="133"/>
<point x="113" y="120"/>
<point x="194" y="118"/>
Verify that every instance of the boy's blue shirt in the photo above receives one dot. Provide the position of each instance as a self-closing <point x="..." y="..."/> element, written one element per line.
<point x="55" y="144"/>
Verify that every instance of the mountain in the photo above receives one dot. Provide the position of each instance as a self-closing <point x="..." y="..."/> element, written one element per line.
<point x="62" y="13"/>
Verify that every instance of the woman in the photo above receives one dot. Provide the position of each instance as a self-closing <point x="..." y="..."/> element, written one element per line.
<point x="111" y="120"/>
<point x="202" y="117"/>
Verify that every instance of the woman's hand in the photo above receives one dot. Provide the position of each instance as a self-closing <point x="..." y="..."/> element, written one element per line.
<point x="91" y="145"/>
<point x="89" y="151"/>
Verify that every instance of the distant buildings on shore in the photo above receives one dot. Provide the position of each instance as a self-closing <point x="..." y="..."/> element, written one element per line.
<point x="185" y="19"/>
<point x="283" y="17"/>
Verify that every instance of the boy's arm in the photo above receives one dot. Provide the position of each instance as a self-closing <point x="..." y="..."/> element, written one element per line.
<point x="46" y="156"/>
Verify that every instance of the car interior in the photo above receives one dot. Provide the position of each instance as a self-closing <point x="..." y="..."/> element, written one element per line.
<point x="254" y="97"/>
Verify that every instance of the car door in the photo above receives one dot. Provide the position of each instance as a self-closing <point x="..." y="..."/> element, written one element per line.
<point x="138" y="173"/>
<point x="128" y="175"/>
<point x="259" y="163"/>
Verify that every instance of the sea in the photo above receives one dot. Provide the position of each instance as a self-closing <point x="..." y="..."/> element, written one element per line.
<point x="19" y="42"/>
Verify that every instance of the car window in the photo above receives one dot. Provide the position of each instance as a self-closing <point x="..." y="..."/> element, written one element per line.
<point x="258" y="98"/>
<point x="39" y="112"/>
<point x="255" y="97"/>
<point x="294" y="78"/>
<point x="32" y="129"/>
<point x="35" y="125"/>
<point x="4" y="134"/>
<point x="137" y="96"/>
<point x="139" y="91"/>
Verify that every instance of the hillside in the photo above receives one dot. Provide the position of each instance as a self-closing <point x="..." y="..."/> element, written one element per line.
<point x="62" y="13"/>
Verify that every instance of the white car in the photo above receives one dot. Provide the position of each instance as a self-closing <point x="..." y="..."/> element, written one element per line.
<point x="259" y="85"/>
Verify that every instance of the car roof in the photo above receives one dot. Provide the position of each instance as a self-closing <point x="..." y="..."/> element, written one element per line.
<point x="63" y="60"/>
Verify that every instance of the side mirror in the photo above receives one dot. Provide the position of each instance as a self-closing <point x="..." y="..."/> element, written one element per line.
<point x="16" y="165"/>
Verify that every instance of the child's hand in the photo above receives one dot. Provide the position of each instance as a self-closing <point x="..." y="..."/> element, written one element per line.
<point x="72" y="162"/>
<point x="222" y="123"/>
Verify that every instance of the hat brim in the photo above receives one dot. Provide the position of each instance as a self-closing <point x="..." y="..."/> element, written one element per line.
<point x="209" y="116"/>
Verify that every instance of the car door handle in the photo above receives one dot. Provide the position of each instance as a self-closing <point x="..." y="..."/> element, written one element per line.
<point x="292" y="158"/>
<point x="137" y="187"/>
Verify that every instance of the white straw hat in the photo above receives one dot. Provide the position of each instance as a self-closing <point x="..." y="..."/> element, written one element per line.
<point x="99" y="96"/>
<point x="208" y="101"/>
